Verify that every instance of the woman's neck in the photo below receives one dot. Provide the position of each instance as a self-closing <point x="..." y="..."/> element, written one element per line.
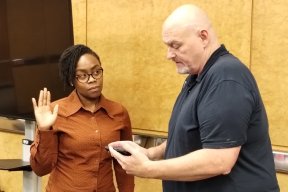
<point x="91" y="105"/>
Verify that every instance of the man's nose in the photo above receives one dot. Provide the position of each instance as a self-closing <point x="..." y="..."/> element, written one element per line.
<point x="170" y="53"/>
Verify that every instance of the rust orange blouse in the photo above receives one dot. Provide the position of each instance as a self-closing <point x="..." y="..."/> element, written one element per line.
<point x="73" y="151"/>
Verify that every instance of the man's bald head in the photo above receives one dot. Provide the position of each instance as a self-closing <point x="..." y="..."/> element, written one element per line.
<point x="188" y="16"/>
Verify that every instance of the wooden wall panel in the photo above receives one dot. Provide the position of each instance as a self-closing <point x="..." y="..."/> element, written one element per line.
<point x="270" y="64"/>
<point x="11" y="148"/>
<point x="79" y="21"/>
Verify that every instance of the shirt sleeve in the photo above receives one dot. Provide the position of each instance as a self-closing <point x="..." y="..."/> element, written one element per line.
<point x="224" y="115"/>
<point x="44" y="152"/>
<point x="125" y="182"/>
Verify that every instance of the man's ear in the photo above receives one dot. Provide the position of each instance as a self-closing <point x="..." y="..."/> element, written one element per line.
<point x="203" y="34"/>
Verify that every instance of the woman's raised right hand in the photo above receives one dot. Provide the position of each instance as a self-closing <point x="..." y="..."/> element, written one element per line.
<point x="45" y="118"/>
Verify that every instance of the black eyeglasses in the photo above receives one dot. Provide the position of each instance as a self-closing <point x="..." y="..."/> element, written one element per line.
<point x="84" y="78"/>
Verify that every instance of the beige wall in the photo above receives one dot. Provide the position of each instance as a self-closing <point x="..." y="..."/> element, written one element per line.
<point x="11" y="148"/>
<point x="269" y="63"/>
<point x="270" y="67"/>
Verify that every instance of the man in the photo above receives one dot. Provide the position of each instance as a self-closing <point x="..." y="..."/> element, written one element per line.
<point x="218" y="137"/>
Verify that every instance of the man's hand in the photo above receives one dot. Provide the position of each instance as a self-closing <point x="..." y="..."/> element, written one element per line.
<point x="137" y="163"/>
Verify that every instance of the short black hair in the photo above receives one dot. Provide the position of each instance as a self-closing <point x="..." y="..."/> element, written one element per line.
<point x="69" y="59"/>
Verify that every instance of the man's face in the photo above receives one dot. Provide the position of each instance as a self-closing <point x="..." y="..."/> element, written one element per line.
<point x="185" y="48"/>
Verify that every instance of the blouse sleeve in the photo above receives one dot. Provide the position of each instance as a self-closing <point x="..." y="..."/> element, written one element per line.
<point x="125" y="182"/>
<point x="44" y="152"/>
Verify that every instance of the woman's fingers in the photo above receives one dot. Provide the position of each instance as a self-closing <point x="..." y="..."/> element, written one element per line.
<point x="48" y="99"/>
<point x="34" y="103"/>
<point x="44" y="97"/>
<point x="40" y="98"/>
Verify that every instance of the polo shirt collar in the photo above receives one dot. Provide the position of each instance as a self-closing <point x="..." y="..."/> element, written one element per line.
<point x="192" y="79"/>
<point x="218" y="53"/>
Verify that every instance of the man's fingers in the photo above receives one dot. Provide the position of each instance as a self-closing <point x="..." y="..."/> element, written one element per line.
<point x="116" y="155"/>
<point x="130" y="146"/>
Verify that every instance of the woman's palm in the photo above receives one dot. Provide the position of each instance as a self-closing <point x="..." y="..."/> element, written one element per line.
<point x="45" y="118"/>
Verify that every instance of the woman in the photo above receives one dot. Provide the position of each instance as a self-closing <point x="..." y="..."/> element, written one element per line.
<point x="72" y="132"/>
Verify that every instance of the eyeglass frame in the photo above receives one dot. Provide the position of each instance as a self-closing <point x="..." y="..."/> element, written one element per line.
<point x="90" y="75"/>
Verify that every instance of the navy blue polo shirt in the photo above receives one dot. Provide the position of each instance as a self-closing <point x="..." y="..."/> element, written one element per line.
<point x="222" y="108"/>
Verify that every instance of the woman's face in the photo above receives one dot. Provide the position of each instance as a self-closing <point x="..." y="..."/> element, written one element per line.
<point x="91" y="89"/>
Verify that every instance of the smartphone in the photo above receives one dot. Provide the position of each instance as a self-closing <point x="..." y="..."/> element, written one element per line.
<point x="119" y="150"/>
